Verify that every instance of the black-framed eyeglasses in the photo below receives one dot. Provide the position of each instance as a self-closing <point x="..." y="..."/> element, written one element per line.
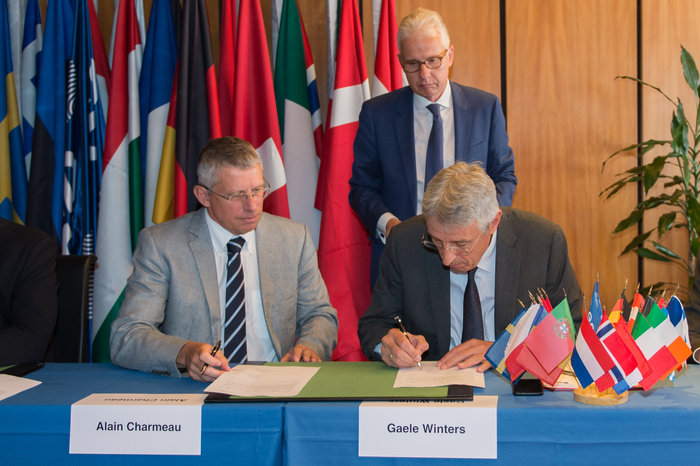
<point x="428" y="244"/>
<point x="411" y="66"/>
<point x="258" y="192"/>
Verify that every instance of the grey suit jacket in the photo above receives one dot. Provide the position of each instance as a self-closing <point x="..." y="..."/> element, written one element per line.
<point x="531" y="252"/>
<point x="172" y="296"/>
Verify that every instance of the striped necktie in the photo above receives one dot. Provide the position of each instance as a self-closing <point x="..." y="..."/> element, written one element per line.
<point x="235" y="349"/>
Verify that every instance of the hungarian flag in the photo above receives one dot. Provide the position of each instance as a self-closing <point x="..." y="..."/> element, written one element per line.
<point x="299" y="117"/>
<point x="31" y="46"/>
<point x="197" y="109"/>
<point x="637" y="304"/>
<point x="343" y="253"/>
<point x="84" y="141"/>
<point x="121" y="209"/>
<point x="45" y="194"/>
<point x="155" y="85"/>
<point x="227" y="52"/>
<point x="254" y="111"/>
<point x="388" y="75"/>
<point x="13" y="171"/>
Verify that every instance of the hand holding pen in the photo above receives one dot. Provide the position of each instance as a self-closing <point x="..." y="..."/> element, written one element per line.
<point x="213" y="352"/>
<point x="405" y="333"/>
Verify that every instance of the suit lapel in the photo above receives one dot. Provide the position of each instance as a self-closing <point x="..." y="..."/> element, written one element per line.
<point x="508" y="263"/>
<point x="403" y="120"/>
<point x="463" y="123"/>
<point x="203" y="253"/>
<point x="265" y="247"/>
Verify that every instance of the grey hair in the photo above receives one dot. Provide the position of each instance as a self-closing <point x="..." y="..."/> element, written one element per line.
<point x="425" y="22"/>
<point x="227" y="151"/>
<point x="461" y="195"/>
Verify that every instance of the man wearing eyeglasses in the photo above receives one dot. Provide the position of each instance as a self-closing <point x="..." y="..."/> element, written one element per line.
<point x="394" y="155"/>
<point x="462" y="240"/>
<point x="227" y="272"/>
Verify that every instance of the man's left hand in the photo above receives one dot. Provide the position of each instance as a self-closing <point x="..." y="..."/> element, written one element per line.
<point x="468" y="354"/>
<point x="301" y="353"/>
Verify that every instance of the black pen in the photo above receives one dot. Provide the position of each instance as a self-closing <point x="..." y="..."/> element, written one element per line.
<point x="405" y="333"/>
<point x="214" y="349"/>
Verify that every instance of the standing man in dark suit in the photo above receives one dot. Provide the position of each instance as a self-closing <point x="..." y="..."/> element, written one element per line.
<point x="454" y="274"/>
<point x="28" y="293"/>
<point x="394" y="155"/>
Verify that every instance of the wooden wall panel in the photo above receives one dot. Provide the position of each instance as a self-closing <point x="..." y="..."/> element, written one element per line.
<point x="666" y="26"/>
<point x="566" y="114"/>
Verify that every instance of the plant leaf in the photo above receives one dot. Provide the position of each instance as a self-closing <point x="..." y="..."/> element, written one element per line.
<point x="631" y="220"/>
<point x="690" y="71"/>
<point x="665" y="223"/>
<point x="649" y="254"/>
<point x="652" y="172"/>
<point x="694" y="213"/>
<point x="679" y="130"/>
<point x="665" y="251"/>
<point x="636" y="242"/>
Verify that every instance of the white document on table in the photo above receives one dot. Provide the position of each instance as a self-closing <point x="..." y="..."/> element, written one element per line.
<point x="432" y="376"/>
<point x="11" y="385"/>
<point x="275" y="381"/>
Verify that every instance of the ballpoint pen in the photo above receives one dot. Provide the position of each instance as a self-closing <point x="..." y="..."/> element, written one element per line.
<point x="214" y="349"/>
<point x="405" y="333"/>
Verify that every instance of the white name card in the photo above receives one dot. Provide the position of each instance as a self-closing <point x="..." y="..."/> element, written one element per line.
<point x="137" y="423"/>
<point x="432" y="429"/>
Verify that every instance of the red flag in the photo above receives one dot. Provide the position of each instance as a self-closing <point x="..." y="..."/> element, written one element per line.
<point x="227" y="41"/>
<point x="388" y="74"/>
<point x="100" y="57"/>
<point x="197" y="118"/>
<point x="344" y="253"/>
<point x="254" y="107"/>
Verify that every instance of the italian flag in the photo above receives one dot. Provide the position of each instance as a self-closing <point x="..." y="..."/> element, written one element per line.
<point x="660" y="359"/>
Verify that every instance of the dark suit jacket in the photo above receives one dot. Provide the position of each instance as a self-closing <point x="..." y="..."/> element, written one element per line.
<point x="531" y="252"/>
<point x="384" y="170"/>
<point x="28" y="293"/>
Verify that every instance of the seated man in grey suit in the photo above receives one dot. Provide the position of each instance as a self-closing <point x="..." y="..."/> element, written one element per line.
<point x="454" y="274"/>
<point x="226" y="272"/>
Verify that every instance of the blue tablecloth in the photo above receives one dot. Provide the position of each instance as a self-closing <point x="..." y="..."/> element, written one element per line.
<point x="661" y="426"/>
<point x="35" y="424"/>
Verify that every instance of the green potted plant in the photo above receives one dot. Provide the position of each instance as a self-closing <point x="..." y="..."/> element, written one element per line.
<point x="677" y="172"/>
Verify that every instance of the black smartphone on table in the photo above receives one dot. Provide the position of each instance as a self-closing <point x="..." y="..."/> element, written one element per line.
<point x="527" y="387"/>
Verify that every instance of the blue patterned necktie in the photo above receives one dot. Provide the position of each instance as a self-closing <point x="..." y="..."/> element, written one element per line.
<point x="472" y="323"/>
<point x="235" y="349"/>
<point x="433" y="156"/>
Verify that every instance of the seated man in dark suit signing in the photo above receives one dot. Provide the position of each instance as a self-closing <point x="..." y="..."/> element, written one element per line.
<point x="28" y="298"/>
<point x="226" y="272"/>
<point x="454" y="274"/>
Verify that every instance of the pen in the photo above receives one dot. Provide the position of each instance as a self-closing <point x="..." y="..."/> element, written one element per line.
<point x="213" y="352"/>
<point x="405" y="333"/>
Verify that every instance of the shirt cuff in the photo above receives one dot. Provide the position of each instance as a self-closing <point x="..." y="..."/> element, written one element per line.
<point x="381" y="225"/>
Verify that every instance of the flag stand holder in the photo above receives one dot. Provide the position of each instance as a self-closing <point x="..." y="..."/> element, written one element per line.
<point x="591" y="396"/>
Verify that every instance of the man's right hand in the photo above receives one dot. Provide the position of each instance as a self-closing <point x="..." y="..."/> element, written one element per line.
<point x="399" y="351"/>
<point x="194" y="355"/>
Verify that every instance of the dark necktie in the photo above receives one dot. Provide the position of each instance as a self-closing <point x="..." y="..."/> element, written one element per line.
<point x="433" y="156"/>
<point x="235" y="349"/>
<point x="472" y="323"/>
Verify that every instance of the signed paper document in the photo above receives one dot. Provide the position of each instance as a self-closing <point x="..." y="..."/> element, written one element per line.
<point x="432" y="376"/>
<point x="273" y="381"/>
<point x="11" y="385"/>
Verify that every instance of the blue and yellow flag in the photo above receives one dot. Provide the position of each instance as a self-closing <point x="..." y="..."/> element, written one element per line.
<point x="13" y="172"/>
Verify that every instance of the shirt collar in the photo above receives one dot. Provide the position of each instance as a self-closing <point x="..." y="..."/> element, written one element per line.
<point x="488" y="260"/>
<point x="220" y="236"/>
<point x="445" y="100"/>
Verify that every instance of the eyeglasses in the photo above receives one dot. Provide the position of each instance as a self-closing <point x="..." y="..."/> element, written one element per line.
<point x="428" y="244"/>
<point x="256" y="193"/>
<point x="411" y="66"/>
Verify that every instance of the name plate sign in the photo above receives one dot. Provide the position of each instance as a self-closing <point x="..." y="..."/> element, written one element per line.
<point x="430" y="429"/>
<point x="137" y="423"/>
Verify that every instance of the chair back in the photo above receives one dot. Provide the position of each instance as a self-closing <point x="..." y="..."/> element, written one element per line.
<point x="71" y="342"/>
